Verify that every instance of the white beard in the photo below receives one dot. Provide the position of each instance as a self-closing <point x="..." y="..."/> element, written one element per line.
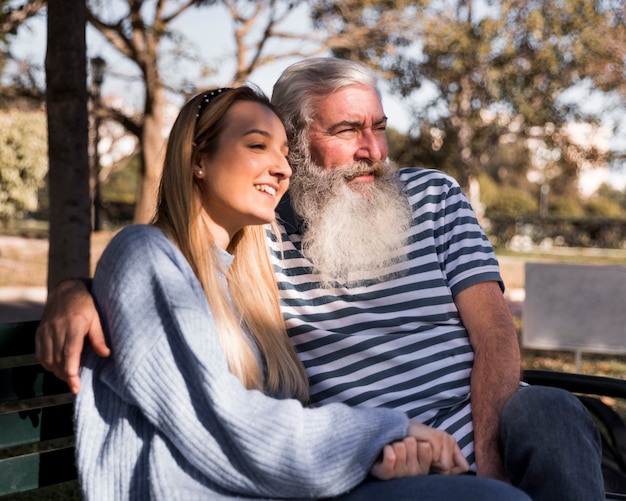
<point x="352" y="231"/>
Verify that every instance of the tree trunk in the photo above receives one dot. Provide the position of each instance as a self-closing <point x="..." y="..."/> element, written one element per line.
<point x="461" y="121"/>
<point x="152" y="149"/>
<point x="68" y="176"/>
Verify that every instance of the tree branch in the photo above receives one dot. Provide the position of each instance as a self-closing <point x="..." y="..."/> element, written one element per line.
<point x="11" y="20"/>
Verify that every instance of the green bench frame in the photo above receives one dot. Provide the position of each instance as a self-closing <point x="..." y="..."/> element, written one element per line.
<point x="36" y="428"/>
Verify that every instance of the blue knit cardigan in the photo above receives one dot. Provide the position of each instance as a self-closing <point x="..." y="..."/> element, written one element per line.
<point x="163" y="418"/>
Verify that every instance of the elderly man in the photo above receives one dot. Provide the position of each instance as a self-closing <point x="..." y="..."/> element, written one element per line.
<point x="391" y="294"/>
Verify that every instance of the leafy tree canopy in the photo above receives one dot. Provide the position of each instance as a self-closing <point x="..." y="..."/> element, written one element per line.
<point x="23" y="162"/>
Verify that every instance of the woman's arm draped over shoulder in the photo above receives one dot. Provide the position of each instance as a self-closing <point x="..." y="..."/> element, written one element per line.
<point x="169" y="364"/>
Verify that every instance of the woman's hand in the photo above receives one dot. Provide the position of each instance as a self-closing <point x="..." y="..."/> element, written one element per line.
<point x="447" y="458"/>
<point x="405" y="458"/>
<point x="425" y="450"/>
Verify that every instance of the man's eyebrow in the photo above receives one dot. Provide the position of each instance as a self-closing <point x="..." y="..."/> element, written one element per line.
<point x="382" y="120"/>
<point x="345" y="123"/>
<point x="355" y="123"/>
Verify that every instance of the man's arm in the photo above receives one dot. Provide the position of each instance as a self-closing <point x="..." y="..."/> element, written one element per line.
<point x="70" y="315"/>
<point x="496" y="373"/>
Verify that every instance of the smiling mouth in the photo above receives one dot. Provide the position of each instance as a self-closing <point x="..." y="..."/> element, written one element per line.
<point x="266" y="188"/>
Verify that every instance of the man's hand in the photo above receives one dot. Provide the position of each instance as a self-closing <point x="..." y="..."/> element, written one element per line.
<point x="70" y="315"/>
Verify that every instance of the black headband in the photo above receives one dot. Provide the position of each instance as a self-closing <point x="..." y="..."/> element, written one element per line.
<point x="206" y="98"/>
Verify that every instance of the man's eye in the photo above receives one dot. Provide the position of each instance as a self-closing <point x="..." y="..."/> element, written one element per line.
<point x="345" y="132"/>
<point x="258" y="146"/>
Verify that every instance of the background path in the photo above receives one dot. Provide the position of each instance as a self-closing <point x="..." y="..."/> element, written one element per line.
<point x="21" y="303"/>
<point x="23" y="273"/>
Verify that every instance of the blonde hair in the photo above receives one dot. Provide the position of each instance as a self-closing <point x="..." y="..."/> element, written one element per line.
<point x="251" y="280"/>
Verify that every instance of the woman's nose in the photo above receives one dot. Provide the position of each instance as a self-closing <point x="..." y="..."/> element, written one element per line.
<point x="281" y="168"/>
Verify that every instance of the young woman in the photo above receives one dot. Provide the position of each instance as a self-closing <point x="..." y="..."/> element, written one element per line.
<point x="203" y="396"/>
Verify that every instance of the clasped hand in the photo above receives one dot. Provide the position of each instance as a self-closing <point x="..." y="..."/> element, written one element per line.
<point x="424" y="450"/>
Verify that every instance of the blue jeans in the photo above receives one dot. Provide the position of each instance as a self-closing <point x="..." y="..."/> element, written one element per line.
<point x="435" y="488"/>
<point x="551" y="447"/>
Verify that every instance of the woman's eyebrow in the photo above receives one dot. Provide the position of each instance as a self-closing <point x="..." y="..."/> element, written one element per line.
<point x="257" y="131"/>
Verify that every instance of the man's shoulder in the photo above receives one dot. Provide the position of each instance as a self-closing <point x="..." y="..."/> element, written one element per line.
<point x="420" y="182"/>
<point x="410" y="174"/>
<point x="286" y="217"/>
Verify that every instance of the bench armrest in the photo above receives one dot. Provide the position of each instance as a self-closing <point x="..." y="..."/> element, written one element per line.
<point x="577" y="383"/>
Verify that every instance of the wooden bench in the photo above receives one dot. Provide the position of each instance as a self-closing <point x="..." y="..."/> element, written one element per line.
<point x="36" y="429"/>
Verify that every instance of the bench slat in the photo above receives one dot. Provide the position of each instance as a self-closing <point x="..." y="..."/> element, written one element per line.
<point x="36" y="429"/>
<point x="28" y="404"/>
<point x="35" y="448"/>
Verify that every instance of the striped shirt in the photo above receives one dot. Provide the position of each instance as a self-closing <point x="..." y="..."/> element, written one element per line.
<point x="397" y="342"/>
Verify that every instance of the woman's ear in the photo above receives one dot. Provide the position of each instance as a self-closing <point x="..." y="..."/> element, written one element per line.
<point x="198" y="170"/>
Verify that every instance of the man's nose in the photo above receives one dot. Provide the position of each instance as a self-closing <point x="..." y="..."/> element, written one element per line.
<point x="373" y="146"/>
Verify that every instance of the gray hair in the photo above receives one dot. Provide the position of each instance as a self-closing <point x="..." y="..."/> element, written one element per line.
<point x="306" y="80"/>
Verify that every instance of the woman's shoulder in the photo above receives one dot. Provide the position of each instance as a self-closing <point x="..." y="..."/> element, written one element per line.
<point x="138" y="232"/>
<point x="138" y="244"/>
<point x="139" y="236"/>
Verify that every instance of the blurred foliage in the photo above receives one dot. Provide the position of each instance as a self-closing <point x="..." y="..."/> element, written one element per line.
<point x="504" y="187"/>
<point x="507" y="200"/>
<point x="22" y="84"/>
<point x="523" y="232"/>
<point x="121" y="186"/>
<point x="13" y="14"/>
<point x="23" y="162"/>
<point x="565" y="206"/>
<point x="613" y="199"/>
<point x="24" y="166"/>
<point x="603" y="207"/>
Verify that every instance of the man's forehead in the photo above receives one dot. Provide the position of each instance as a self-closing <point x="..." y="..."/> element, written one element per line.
<point x="353" y="104"/>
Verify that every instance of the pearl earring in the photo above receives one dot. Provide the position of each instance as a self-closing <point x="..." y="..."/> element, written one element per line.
<point x="199" y="172"/>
